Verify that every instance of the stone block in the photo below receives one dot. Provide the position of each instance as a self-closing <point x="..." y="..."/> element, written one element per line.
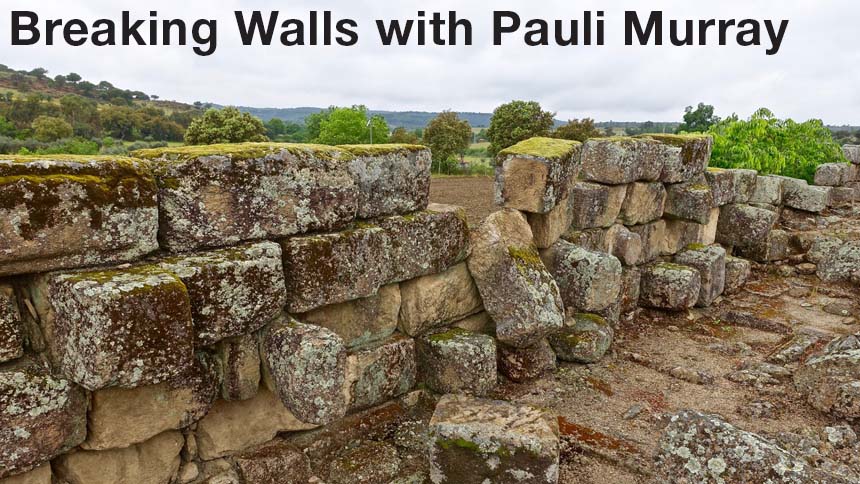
<point x="391" y="179"/>
<point x="710" y="261"/>
<point x="685" y="156"/>
<point x="852" y="174"/>
<point x="518" y="291"/>
<point x="370" y="462"/>
<point x="380" y="372"/>
<point x="625" y="245"/>
<point x="478" y="323"/>
<point x="737" y="272"/>
<point x="744" y="225"/>
<point x="124" y="327"/>
<point x="275" y="462"/>
<point x="431" y="302"/>
<point x="852" y="152"/>
<point x="534" y="175"/>
<point x="690" y="201"/>
<point x="219" y="195"/>
<point x="334" y="268"/>
<point x="547" y="228"/>
<point x="589" y="281"/>
<point x="831" y="174"/>
<point x="11" y="328"/>
<point x="800" y="195"/>
<point x="41" y="417"/>
<point x="824" y="378"/>
<point x="681" y="233"/>
<point x="596" y="205"/>
<point x="653" y="236"/>
<point x="744" y="184"/>
<point x="670" y="287"/>
<point x="775" y="246"/>
<point x="584" y="339"/>
<point x="643" y="203"/>
<point x="591" y="239"/>
<point x="768" y="190"/>
<point x="631" y="278"/>
<point x="457" y="361"/>
<point x="474" y="441"/>
<point x="360" y="321"/>
<point x="233" y="291"/>
<point x="120" y="417"/>
<point x="152" y="462"/>
<point x="39" y="475"/>
<point x="240" y="367"/>
<point x="840" y="196"/>
<point x="620" y="160"/>
<point x="524" y="364"/>
<point x="306" y="366"/>
<point x="59" y="212"/>
<point x="722" y="183"/>
<point x="840" y="264"/>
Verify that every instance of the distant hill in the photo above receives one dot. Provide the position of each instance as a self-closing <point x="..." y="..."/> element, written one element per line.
<point x="395" y="119"/>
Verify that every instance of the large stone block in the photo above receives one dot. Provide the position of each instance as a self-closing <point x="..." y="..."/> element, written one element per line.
<point x="380" y="372"/>
<point x="852" y="152"/>
<point x="768" y="190"/>
<point x="589" y="281"/>
<point x="233" y="291"/>
<point x="595" y="205"/>
<point x="391" y="179"/>
<point x="722" y="183"/>
<point x="240" y="367"/>
<point x="306" y="366"/>
<point x="60" y="212"/>
<point x="117" y="327"/>
<point x="681" y="233"/>
<point x="744" y="184"/>
<point x="802" y="196"/>
<point x="624" y="245"/>
<point x="333" y="268"/>
<point x="220" y="195"/>
<point x="457" y="361"/>
<point x="620" y="160"/>
<point x="744" y="225"/>
<point x="152" y="462"/>
<point x="824" y="379"/>
<point x="591" y="239"/>
<point x="547" y="228"/>
<point x="653" y="236"/>
<point x="684" y="156"/>
<point x="360" y="321"/>
<point x="841" y="263"/>
<point x="628" y="299"/>
<point x="475" y="441"/>
<point x="534" y="175"/>
<point x="831" y="174"/>
<point x="41" y="417"/>
<point x="274" y="462"/>
<point x="584" y="339"/>
<point x="671" y="287"/>
<point x="438" y="300"/>
<point x="690" y="201"/>
<point x="710" y="261"/>
<point x="39" y="475"/>
<point x="841" y="196"/>
<point x="643" y="203"/>
<point x="737" y="272"/>
<point x="11" y="330"/>
<point x="518" y="291"/>
<point x="524" y="364"/>
<point x="775" y="246"/>
<point x="120" y="417"/>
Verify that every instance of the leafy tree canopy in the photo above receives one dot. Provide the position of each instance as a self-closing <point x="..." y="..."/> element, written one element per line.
<point x="344" y="126"/>
<point x="403" y="136"/>
<point x="47" y="128"/>
<point x="517" y="121"/>
<point x="578" y="130"/>
<point x="228" y="125"/>
<point x="698" y="120"/>
<point x="447" y="135"/>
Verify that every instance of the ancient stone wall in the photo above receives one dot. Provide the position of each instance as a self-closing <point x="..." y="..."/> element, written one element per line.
<point x="163" y="318"/>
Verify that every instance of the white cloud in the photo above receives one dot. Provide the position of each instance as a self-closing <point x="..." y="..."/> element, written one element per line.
<point x="815" y="74"/>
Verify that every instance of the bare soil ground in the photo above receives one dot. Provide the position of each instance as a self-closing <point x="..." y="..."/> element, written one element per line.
<point x="474" y="193"/>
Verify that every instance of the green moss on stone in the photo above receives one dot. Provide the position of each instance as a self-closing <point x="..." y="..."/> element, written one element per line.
<point x="677" y="140"/>
<point x="243" y="151"/>
<point x="381" y="150"/>
<point x="669" y="266"/>
<point x="594" y="318"/>
<point x="548" y="148"/>
<point x="696" y="247"/>
<point x="448" y="335"/>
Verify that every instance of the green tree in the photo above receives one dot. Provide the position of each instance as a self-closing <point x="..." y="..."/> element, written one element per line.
<point x="517" y="121"/>
<point x="120" y="122"/>
<point x="350" y="126"/>
<point x="447" y="135"/>
<point x="578" y="130"/>
<point x="698" y="120"/>
<point x="74" y="78"/>
<point x="81" y="113"/>
<point x="403" y="136"/>
<point x="47" y="129"/>
<point x="314" y="121"/>
<point x="6" y="128"/>
<point x="275" y="128"/>
<point x="228" y="125"/>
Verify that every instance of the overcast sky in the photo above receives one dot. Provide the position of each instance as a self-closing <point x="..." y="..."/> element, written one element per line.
<point x="815" y="74"/>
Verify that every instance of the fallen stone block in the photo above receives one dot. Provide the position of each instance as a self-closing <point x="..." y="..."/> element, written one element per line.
<point x="476" y="441"/>
<point x="670" y="287"/>
<point x="653" y="236"/>
<point x="74" y="211"/>
<point x="840" y="196"/>
<point x="240" y="367"/>
<point x="738" y="272"/>
<point x="684" y="155"/>
<point x="524" y="364"/>
<point x="391" y="179"/>
<point x="722" y="184"/>
<point x="518" y="291"/>
<point x="334" y="268"/>
<point x="585" y="338"/>
<point x="457" y="361"/>
<point x="41" y="417"/>
<point x="219" y="195"/>
<point x="39" y="475"/>
<point x="435" y="301"/>
<point x="152" y="462"/>
<point x="802" y="196"/>
<point x="689" y="201"/>
<point x="11" y="329"/>
<point x="710" y="261"/>
<point x="621" y="160"/>
<point x="768" y="190"/>
<point x="744" y="184"/>
<point x="369" y="462"/>
<point x="547" y="228"/>
<point x="306" y="366"/>
<point x="275" y="462"/>
<point x="534" y="175"/>
<point x="744" y="225"/>
<point x="822" y="247"/>
<point x="120" y="417"/>
<point x="774" y="247"/>
<point x="831" y="174"/>
<point x="588" y="281"/>
<point x="360" y="321"/>
<point x="232" y="291"/>
<point x="124" y="327"/>
<point x="380" y="372"/>
<point x="840" y="264"/>
<point x="595" y="205"/>
<point x="625" y="245"/>
<point x="631" y="278"/>
<point x="831" y="381"/>
<point x="643" y="203"/>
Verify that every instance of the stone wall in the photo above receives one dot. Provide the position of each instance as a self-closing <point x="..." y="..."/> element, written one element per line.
<point x="163" y="318"/>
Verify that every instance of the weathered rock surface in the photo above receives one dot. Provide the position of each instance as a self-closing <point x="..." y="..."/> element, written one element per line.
<point x="710" y="261"/>
<point x="620" y="160"/>
<point x="360" y="321"/>
<point x="831" y="174"/>
<point x="274" y="462"/>
<point x="737" y="272"/>
<point x="371" y="462"/>
<point x="595" y="205"/>
<point x="534" y="175"/>
<point x="524" y="364"/>
<point x="233" y="291"/>
<point x="775" y="246"/>
<point x="625" y="245"/>
<point x="380" y="372"/>
<point x="671" y="287"/>
<point x="240" y="367"/>
<point x="11" y="329"/>
<point x="852" y="152"/>
<point x="39" y="475"/>
<point x="802" y="196"/>
<point x="59" y="212"/>
<point x="628" y="299"/>
<point x="41" y="417"/>
<point x="692" y="200"/>
<point x="744" y="225"/>
<point x="684" y="156"/>
<point x="548" y="227"/>
<point x="391" y="179"/>
<point x="722" y="184"/>
<point x="588" y="281"/>
<point x="476" y="441"/>
<point x="438" y="300"/>
<point x="457" y="361"/>
<point x="653" y="236"/>
<point x="518" y="291"/>
<point x="585" y="338"/>
<point x="831" y="381"/>
<point x="643" y="203"/>
<point x="220" y="195"/>
<point x="841" y="196"/>
<point x="682" y="233"/>
<point x="840" y="264"/>
<point x="744" y="184"/>
<point x="768" y="190"/>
